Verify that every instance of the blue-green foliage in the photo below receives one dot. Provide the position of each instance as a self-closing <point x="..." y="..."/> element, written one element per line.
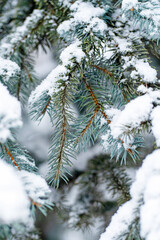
<point x="78" y="99"/>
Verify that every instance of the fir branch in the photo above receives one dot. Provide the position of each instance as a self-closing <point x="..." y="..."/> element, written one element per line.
<point x="18" y="89"/>
<point x="98" y="105"/>
<point x="105" y="116"/>
<point x="11" y="157"/>
<point x="63" y="137"/>
<point x="100" y="171"/>
<point x="35" y="203"/>
<point x="129" y="150"/>
<point x="19" y="156"/>
<point x="102" y="69"/>
<point x="28" y="33"/>
<point x="28" y="72"/>
<point x="61" y="150"/>
<point x="111" y="75"/>
<point x="45" y="108"/>
<point x="120" y="186"/>
<point x="92" y="94"/>
<point x="88" y="124"/>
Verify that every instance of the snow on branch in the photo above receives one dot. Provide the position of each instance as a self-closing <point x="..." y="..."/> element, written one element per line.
<point x="85" y="11"/>
<point x="10" y="114"/>
<point x="145" y="191"/>
<point x="147" y="73"/>
<point x="134" y="113"/>
<point x="18" y="191"/>
<point x="8" y="69"/>
<point x="155" y="117"/>
<point x="88" y="15"/>
<point x="144" y="204"/>
<point x="120" y="223"/>
<point x="125" y="124"/>
<point x="36" y="187"/>
<point x="147" y="12"/>
<point x="51" y="84"/>
<point x="14" y="203"/>
<point x="22" y="32"/>
<point x="73" y="51"/>
<point x="137" y="111"/>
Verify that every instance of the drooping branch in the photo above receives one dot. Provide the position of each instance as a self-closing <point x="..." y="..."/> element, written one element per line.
<point x="63" y="137"/>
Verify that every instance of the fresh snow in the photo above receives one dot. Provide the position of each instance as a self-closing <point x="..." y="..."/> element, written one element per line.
<point x="147" y="73"/>
<point x="96" y="25"/>
<point x="108" y="53"/>
<point x="120" y="222"/>
<point x="123" y="44"/>
<point x="84" y="13"/>
<point x="146" y="192"/>
<point x="142" y="69"/>
<point x="10" y="113"/>
<point x="135" y="112"/>
<point x="66" y="3"/>
<point x="9" y="42"/>
<point x="155" y="117"/>
<point x="35" y="186"/>
<point x="74" y="50"/>
<point x="14" y="203"/>
<point x="50" y="85"/>
<point x="8" y="69"/>
<point x="128" y="4"/>
<point x="144" y="204"/>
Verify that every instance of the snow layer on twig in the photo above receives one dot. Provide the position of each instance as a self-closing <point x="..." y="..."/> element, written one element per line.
<point x="135" y="112"/>
<point x="35" y="186"/>
<point x="72" y="53"/>
<point x="8" y="69"/>
<point x="84" y="13"/>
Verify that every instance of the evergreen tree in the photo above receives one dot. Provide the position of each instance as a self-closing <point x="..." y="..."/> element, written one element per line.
<point x="105" y="73"/>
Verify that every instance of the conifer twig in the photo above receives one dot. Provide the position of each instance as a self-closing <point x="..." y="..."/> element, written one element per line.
<point x="63" y="137"/>
<point x="96" y="101"/>
<point x="18" y="89"/>
<point x="102" y="69"/>
<point x="28" y="73"/>
<point x="35" y="203"/>
<point x="110" y="74"/>
<point x="45" y="108"/>
<point x="11" y="157"/>
<point x="99" y="106"/>
<point x="88" y="124"/>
